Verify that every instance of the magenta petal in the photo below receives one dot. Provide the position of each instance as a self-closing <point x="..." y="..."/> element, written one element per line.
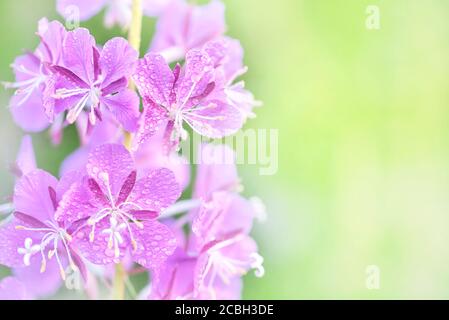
<point x="97" y="251"/>
<point x="144" y="214"/>
<point x="151" y="121"/>
<point x="226" y="214"/>
<point x="156" y="191"/>
<point x="117" y="60"/>
<point x="209" y="220"/>
<point x="171" y="26"/>
<point x="37" y="284"/>
<point x="12" y="289"/>
<point x="11" y="239"/>
<point x="31" y="195"/>
<point x="154" y="79"/>
<point x="78" y="54"/>
<point x="127" y="187"/>
<point x="26" y="105"/>
<point x="29" y="114"/>
<point x="125" y="107"/>
<point x="97" y="192"/>
<point x="174" y="280"/>
<point x="52" y="36"/>
<point x="239" y="251"/>
<point x="67" y="180"/>
<point x="110" y="165"/>
<point x="183" y="26"/>
<point x="77" y="203"/>
<point x="198" y="74"/>
<point x="207" y="22"/>
<point x="26" y="160"/>
<point x="115" y="86"/>
<point x="155" y="243"/>
<point x="215" y="119"/>
<point x="29" y="220"/>
<point x="87" y="8"/>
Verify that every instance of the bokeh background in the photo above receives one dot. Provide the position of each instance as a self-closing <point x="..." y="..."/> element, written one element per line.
<point x="363" y="120"/>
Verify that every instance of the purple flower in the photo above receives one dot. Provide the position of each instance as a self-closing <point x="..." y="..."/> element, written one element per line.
<point x="231" y="60"/>
<point x="31" y="73"/>
<point x="120" y="210"/>
<point x="91" y="80"/>
<point x="211" y="263"/>
<point x="117" y="11"/>
<point x="219" y="251"/>
<point x="184" y="26"/>
<point x="192" y="94"/>
<point x="226" y="251"/>
<point x="222" y="224"/>
<point x="32" y="241"/>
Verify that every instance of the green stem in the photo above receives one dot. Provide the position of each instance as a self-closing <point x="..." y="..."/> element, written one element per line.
<point x="119" y="282"/>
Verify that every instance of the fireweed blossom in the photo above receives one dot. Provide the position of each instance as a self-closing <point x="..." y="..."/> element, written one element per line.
<point x="210" y="262"/>
<point x="120" y="210"/>
<point x="222" y="224"/>
<point x="195" y="94"/>
<point x="93" y="80"/>
<point x="33" y="238"/>
<point x="31" y="74"/>
<point x="116" y="209"/>
<point x="183" y="26"/>
<point x="117" y="11"/>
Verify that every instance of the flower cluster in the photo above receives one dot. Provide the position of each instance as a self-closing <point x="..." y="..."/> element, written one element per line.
<point x="121" y="202"/>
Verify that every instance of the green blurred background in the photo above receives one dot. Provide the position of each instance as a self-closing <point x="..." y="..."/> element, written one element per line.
<point x="363" y="140"/>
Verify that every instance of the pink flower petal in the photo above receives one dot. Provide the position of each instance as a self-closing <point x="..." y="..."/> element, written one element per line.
<point x="214" y="119"/>
<point x="76" y="203"/>
<point x="155" y="243"/>
<point x="97" y="251"/>
<point x="78" y="53"/>
<point x="31" y="195"/>
<point x="125" y="107"/>
<point x="151" y="121"/>
<point x="112" y="162"/>
<point x="117" y="60"/>
<point x="154" y="79"/>
<point x="156" y="191"/>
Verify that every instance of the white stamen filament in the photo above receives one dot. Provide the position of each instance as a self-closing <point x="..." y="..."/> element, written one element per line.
<point x="90" y="99"/>
<point x="75" y="111"/>
<point x="25" y="86"/>
<point x="53" y="234"/>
